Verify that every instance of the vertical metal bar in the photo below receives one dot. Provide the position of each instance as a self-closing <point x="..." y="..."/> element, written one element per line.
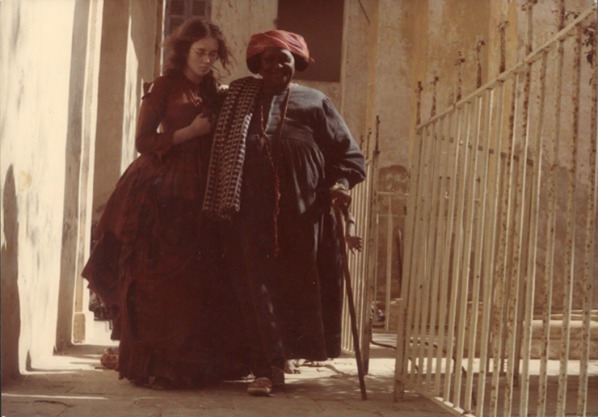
<point x="371" y="232"/>
<point x="402" y="370"/>
<point x="375" y="255"/>
<point x="360" y="262"/>
<point x="439" y="225"/>
<point x="529" y="276"/>
<point x="430" y="232"/>
<point x="369" y="283"/>
<point x="456" y="269"/>
<point x="551" y="223"/>
<point x="520" y="281"/>
<point x="496" y="125"/>
<point x="525" y="282"/>
<point x="405" y="325"/>
<point x="515" y="211"/>
<point x="448" y="252"/>
<point x="389" y="239"/>
<point x="423" y="255"/>
<point x="431" y="242"/>
<point x="480" y="228"/>
<point x="533" y="238"/>
<point x="501" y="272"/>
<point x="416" y="259"/>
<point x="470" y="205"/>
<point x="589" y="270"/>
<point x="414" y="297"/>
<point x="569" y="271"/>
<point x="451" y="184"/>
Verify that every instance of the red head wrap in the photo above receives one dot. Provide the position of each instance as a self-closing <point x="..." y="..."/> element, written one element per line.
<point x="280" y="39"/>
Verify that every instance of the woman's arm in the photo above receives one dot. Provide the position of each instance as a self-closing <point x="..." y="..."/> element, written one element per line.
<point x="200" y="126"/>
<point x="151" y="113"/>
<point x="153" y="108"/>
<point x="345" y="163"/>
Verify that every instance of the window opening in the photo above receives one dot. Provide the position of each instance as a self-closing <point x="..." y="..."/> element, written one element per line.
<point x="178" y="11"/>
<point x="321" y="24"/>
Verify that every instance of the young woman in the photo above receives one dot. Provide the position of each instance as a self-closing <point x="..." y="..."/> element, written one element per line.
<point x="274" y="178"/>
<point x="156" y="262"/>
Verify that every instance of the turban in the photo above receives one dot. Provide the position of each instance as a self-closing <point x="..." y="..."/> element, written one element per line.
<point x="279" y="39"/>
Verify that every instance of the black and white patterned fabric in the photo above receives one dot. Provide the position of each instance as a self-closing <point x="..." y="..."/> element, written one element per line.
<point x="223" y="191"/>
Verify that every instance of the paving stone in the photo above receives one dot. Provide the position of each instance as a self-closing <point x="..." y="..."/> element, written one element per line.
<point x="76" y="386"/>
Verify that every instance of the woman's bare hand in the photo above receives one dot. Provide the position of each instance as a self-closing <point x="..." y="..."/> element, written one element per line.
<point x="199" y="126"/>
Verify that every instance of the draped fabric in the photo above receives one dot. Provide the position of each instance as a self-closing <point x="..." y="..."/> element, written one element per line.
<point x="291" y="302"/>
<point x="156" y="262"/>
<point x="228" y="153"/>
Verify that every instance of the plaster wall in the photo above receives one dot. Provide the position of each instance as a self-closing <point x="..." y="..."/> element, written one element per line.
<point x="111" y="100"/>
<point x="389" y="79"/>
<point x="35" y="66"/>
<point x="55" y="95"/>
<point x="238" y="21"/>
<point x="356" y="61"/>
<point x="127" y="60"/>
<point x="75" y="217"/>
<point x="456" y="46"/>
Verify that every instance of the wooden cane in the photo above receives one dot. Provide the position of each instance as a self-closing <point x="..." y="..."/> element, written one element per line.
<point x="347" y="275"/>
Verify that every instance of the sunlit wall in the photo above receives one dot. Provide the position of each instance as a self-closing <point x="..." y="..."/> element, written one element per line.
<point x="35" y="61"/>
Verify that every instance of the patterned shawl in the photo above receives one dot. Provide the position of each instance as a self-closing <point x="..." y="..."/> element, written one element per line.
<point x="223" y="191"/>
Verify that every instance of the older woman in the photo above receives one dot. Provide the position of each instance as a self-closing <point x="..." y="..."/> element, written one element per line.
<point x="155" y="263"/>
<point x="281" y="153"/>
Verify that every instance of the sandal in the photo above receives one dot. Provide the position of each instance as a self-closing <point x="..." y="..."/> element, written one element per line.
<point x="109" y="358"/>
<point x="261" y="387"/>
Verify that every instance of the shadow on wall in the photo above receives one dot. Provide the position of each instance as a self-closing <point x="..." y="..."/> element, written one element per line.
<point x="11" y="311"/>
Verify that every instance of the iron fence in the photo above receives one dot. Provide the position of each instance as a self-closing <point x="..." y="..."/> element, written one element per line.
<point x="500" y="255"/>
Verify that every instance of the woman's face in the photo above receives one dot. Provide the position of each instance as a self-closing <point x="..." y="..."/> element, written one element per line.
<point x="201" y="58"/>
<point x="277" y="67"/>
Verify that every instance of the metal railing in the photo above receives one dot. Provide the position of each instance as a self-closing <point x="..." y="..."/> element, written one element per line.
<point x="500" y="234"/>
<point x="361" y="263"/>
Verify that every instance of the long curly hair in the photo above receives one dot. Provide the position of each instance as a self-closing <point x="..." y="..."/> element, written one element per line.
<point x="178" y="44"/>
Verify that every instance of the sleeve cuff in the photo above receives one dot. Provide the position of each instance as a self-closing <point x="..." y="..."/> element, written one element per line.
<point x="343" y="182"/>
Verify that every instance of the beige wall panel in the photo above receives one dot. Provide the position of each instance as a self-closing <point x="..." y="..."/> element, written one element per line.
<point x="36" y="44"/>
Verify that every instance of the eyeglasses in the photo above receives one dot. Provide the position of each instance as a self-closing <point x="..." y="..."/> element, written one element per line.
<point x="203" y="54"/>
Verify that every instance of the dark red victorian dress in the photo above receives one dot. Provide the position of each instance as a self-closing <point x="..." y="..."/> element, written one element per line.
<point x="156" y="262"/>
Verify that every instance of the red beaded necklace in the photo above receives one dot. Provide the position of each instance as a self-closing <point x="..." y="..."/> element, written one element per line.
<point x="274" y="161"/>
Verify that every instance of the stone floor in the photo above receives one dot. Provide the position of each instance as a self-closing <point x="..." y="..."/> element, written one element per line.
<point x="76" y="385"/>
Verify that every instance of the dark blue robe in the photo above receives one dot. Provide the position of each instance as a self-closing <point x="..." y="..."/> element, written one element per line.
<point x="292" y="301"/>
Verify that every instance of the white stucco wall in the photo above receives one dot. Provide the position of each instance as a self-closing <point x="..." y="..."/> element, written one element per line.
<point x="49" y="66"/>
<point x="126" y="62"/>
<point x="35" y="56"/>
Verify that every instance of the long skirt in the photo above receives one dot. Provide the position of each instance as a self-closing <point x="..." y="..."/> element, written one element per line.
<point x="291" y="301"/>
<point x="159" y="268"/>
